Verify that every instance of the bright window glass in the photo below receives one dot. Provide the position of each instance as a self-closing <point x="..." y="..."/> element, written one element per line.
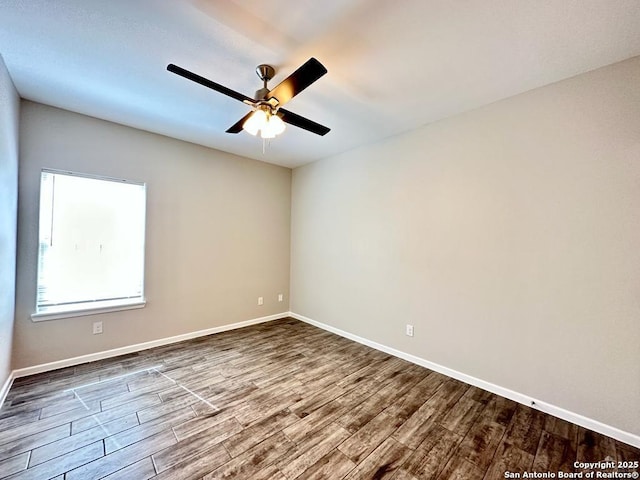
<point x="91" y="242"/>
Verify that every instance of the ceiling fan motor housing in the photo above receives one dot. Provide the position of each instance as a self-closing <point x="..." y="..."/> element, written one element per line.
<point x="261" y="94"/>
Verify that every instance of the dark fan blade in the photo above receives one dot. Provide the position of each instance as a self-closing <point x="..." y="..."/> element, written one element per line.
<point x="207" y="83"/>
<point x="237" y="127"/>
<point x="304" y="123"/>
<point x="304" y="76"/>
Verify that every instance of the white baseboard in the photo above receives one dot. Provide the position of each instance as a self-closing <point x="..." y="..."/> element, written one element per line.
<point x="92" y="357"/>
<point x="596" y="426"/>
<point x="6" y="386"/>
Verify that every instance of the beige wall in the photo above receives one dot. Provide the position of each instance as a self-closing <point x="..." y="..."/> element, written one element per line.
<point x="217" y="233"/>
<point x="9" y="114"/>
<point x="508" y="236"/>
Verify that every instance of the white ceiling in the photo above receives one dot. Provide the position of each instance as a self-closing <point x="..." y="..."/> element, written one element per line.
<point x="393" y="66"/>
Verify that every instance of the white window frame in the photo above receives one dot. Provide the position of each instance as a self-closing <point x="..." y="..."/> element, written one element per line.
<point x="101" y="306"/>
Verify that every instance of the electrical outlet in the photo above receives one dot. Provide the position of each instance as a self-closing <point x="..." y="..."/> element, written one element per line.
<point x="260" y="300"/>
<point x="409" y="330"/>
<point x="97" y="328"/>
<point x="280" y="297"/>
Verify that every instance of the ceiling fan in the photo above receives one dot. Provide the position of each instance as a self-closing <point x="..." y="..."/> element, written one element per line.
<point x="267" y="114"/>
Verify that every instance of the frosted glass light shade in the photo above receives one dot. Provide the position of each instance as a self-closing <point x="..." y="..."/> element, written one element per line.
<point x="255" y="122"/>
<point x="268" y="124"/>
<point x="276" y="124"/>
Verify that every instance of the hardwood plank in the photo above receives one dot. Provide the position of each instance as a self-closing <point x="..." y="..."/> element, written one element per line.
<point x="286" y="373"/>
<point x="593" y="447"/>
<point x="55" y="408"/>
<point x="22" y="417"/>
<point x="141" y="470"/>
<point x="253" y="460"/>
<point x="160" y="409"/>
<point x="460" y="469"/>
<point x="554" y="454"/>
<point x="626" y="453"/>
<point x="231" y="392"/>
<point x="29" y="442"/>
<point x="257" y="410"/>
<point x="480" y="395"/>
<point x="9" y="411"/>
<point x="86" y="437"/>
<point x="462" y="415"/>
<point x="366" y="371"/>
<point x="195" y="445"/>
<point x="480" y="444"/>
<point x="412" y="432"/>
<point x="333" y="465"/>
<point x="432" y="455"/>
<point x="251" y="436"/>
<point x="53" y="398"/>
<point x="445" y="398"/>
<point x="367" y="439"/>
<point x="500" y="410"/>
<point x="193" y="468"/>
<point x="396" y="386"/>
<point x="201" y="423"/>
<point x="49" y="390"/>
<point x="240" y="400"/>
<point x="383" y="462"/>
<point x="311" y="450"/>
<point x="14" y="464"/>
<point x="97" y="418"/>
<point x="562" y="428"/>
<point x="509" y="458"/>
<point x="525" y="429"/>
<point x="269" y="473"/>
<point x="62" y="464"/>
<point x="160" y="385"/>
<point x="417" y="396"/>
<point x="48" y="423"/>
<point x="354" y="419"/>
<point x="101" y="390"/>
<point x="402" y="474"/>
<point x="152" y="381"/>
<point x="315" y="385"/>
<point x="306" y="405"/>
<point x="310" y="424"/>
<point x="121" y="458"/>
<point x="139" y="432"/>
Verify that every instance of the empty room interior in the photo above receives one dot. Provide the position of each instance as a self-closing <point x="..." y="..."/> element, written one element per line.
<point x="302" y="240"/>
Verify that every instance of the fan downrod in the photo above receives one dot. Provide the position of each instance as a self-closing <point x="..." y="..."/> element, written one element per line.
<point x="266" y="73"/>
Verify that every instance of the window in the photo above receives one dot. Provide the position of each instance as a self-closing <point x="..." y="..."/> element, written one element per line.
<point x="91" y="245"/>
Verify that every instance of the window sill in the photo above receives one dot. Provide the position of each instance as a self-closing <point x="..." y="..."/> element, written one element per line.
<point x="57" y="313"/>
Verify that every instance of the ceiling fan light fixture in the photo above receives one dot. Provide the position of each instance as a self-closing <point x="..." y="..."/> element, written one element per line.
<point x="265" y="121"/>
<point x="276" y="125"/>
<point x="267" y="133"/>
<point x="268" y="100"/>
<point x="255" y="122"/>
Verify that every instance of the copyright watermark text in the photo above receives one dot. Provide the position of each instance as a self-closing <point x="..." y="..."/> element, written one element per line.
<point x="605" y="469"/>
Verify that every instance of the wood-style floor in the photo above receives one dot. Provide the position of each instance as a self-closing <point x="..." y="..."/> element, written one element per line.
<point x="276" y="401"/>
